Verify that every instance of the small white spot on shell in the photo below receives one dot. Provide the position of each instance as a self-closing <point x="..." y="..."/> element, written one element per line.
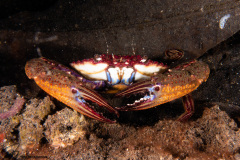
<point x="143" y="60"/>
<point x="223" y="21"/>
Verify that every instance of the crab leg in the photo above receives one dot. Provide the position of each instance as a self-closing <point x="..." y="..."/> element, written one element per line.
<point x="188" y="105"/>
<point x="67" y="88"/>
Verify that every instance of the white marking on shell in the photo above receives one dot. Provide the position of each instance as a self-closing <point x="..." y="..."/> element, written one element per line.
<point x="90" y="70"/>
<point x="114" y="74"/>
<point x="126" y="74"/>
<point x="147" y="69"/>
<point x="223" y="21"/>
<point x="99" y="59"/>
<point x="143" y="60"/>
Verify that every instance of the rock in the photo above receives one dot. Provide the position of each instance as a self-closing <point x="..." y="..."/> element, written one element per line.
<point x="65" y="128"/>
<point x="24" y="132"/>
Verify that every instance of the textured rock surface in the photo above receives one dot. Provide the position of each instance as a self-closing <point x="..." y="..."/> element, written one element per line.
<point x="31" y="129"/>
<point x="65" y="128"/>
<point x="214" y="136"/>
<point x="23" y="132"/>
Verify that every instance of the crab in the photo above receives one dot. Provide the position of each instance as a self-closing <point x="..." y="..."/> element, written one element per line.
<point x="120" y="76"/>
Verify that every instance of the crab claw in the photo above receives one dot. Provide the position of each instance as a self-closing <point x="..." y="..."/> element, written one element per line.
<point x="168" y="86"/>
<point x="68" y="88"/>
<point x="80" y="98"/>
<point x="146" y="90"/>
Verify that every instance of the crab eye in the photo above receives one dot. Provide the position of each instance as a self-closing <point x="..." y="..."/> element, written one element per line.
<point x="144" y="59"/>
<point x="97" y="57"/>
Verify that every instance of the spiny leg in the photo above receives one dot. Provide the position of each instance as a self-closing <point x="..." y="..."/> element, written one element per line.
<point x="188" y="105"/>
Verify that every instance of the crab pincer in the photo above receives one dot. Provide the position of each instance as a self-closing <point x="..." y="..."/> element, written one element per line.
<point x="170" y="85"/>
<point x="69" y="88"/>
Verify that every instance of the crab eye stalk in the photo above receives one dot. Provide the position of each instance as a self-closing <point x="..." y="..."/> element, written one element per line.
<point x="97" y="57"/>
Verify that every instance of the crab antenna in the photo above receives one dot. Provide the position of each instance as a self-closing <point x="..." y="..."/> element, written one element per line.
<point x="107" y="47"/>
<point x="39" y="52"/>
<point x="38" y="40"/>
<point x="133" y="44"/>
<point x="106" y="42"/>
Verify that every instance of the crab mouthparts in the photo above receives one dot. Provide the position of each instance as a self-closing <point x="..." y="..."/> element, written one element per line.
<point x="142" y="93"/>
